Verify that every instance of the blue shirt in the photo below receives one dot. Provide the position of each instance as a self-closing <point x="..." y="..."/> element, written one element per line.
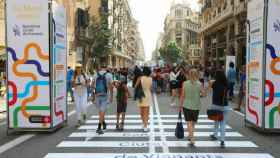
<point x="231" y="75"/>
<point x="70" y="74"/>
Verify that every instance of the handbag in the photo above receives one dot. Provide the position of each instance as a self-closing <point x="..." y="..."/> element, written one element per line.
<point x="139" y="93"/>
<point x="215" y="115"/>
<point x="179" y="131"/>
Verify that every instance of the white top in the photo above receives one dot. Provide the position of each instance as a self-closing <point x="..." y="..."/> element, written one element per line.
<point x="201" y="74"/>
<point x="81" y="88"/>
<point x="173" y="76"/>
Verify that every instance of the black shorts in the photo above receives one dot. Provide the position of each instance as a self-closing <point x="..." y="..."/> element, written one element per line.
<point x="201" y="80"/>
<point x="173" y="84"/>
<point x="121" y="107"/>
<point x="191" y="115"/>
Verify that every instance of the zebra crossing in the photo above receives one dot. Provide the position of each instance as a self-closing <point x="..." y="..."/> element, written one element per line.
<point x="134" y="143"/>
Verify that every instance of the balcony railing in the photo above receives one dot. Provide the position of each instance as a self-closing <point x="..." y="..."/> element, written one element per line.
<point x="242" y="7"/>
<point x="218" y="18"/>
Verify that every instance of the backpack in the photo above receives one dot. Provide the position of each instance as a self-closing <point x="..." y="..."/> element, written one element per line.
<point x="101" y="84"/>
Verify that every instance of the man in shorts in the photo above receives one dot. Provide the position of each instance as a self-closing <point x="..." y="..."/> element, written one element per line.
<point x="102" y="82"/>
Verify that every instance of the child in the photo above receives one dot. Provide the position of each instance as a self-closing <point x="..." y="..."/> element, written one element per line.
<point x="122" y="97"/>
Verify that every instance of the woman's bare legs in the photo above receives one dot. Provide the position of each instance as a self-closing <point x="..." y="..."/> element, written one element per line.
<point x="190" y="125"/>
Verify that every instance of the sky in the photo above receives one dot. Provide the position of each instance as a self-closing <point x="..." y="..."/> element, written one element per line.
<point x="151" y="15"/>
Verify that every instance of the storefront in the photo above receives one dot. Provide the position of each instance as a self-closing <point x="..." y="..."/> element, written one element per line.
<point x="119" y="60"/>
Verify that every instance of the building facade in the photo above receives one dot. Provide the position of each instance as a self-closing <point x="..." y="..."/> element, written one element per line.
<point x="125" y="39"/>
<point x="140" y="56"/>
<point x="182" y="26"/>
<point x="224" y="31"/>
<point x="156" y="53"/>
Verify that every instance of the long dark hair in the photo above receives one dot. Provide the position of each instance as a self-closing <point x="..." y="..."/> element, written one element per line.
<point x="174" y="69"/>
<point x="146" y="71"/>
<point x="221" y="78"/>
<point x="76" y="74"/>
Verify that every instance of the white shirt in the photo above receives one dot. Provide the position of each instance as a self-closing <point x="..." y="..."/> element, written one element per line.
<point x="173" y="76"/>
<point x="81" y="88"/>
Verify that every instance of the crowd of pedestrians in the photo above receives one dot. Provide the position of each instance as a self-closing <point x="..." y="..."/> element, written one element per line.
<point x="185" y="85"/>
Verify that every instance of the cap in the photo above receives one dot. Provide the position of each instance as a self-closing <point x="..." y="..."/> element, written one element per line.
<point x="78" y="65"/>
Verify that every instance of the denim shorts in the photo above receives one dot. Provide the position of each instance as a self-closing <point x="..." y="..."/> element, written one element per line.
<point x="102" y="103"/>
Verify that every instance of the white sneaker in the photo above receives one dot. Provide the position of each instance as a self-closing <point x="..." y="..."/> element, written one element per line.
<point x="173" y="104"/>
<point x="145" y="129"/>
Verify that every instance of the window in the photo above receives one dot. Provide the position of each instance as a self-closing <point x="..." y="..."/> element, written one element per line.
<point x="178" y="13"/>
<point x="178" y="25"/>
<point x="179" y="41"/>
<point x="196" y="53"/>
<point x="178" y="34"/>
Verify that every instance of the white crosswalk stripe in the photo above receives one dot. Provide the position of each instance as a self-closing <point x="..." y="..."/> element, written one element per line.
<point x="92" y="127"/>
<point x="140" y="121"/>
<point x="158" y="155"/>
<point x="133" y="138"/>
<point x="139" y="134"/>
<point x="138" y="116"/>
<point x="144" y="144"/>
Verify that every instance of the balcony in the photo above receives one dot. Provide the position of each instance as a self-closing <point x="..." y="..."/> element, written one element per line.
<point x="240" y="8"/>
<point x="218" y="18"/>
<point x="206" y="6"/>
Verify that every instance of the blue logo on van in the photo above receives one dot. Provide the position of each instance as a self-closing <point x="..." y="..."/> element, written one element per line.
<point x="16" y="30"/>
<point x="276" y="26"/>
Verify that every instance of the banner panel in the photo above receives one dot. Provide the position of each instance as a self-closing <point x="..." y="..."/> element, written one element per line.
<point x="255" y="57"/>
<point x="59" y="64"/>
<point x="28" y="64"/>
<point x="272" y="93"/>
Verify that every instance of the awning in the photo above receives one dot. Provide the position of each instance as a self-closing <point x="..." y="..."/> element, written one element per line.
<point x="119" y="54"/>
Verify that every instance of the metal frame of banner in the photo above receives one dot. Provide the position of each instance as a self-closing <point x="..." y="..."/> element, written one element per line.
<point x="52" y="128"/>
<point x="248" y="123"/>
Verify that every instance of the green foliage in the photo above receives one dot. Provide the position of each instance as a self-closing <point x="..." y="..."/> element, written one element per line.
<point x="171" y="53"/>
<point x="100" y="36"/>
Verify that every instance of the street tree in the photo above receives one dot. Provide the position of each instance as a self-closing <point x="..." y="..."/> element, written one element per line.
<point x="99" y="42"/>
<point x="171" y="53"/>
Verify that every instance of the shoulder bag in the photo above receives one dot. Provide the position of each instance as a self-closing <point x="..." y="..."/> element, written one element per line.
<point x="179" y="131"/>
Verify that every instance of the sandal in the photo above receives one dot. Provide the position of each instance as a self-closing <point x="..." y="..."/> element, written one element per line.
<point x="117" y="126"/>
<point x="79" y="123"/>
<point x="237" y="109"/>
<point x="192" y="143"/>
<point x="213" y="137"/>
<point x="121" y="127"/>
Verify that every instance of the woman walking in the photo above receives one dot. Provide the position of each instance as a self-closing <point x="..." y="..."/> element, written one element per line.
<point x="190" y="102"/>
<point x="80" y="83"/>
<point x="145" y="83"/>
<point x="174" y="85"/>
<point x="231" y="76"/>
<point x="181" y="78"/>
<point x="220" y="103"/>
